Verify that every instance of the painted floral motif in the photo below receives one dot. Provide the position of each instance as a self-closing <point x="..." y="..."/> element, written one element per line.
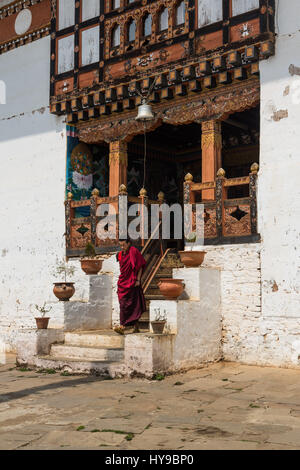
<point x="82" y="181"/>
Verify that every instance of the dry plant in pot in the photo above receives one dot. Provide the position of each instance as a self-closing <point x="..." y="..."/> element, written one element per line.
<point x="89" y="263"/>
<point x="192" y="259"/>
<point x="64" y="290"/>
<point x="42" y="321"/>
<point x="158" y="324"/>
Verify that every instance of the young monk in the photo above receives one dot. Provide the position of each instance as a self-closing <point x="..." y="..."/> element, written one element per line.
<point x="130" y="293"/>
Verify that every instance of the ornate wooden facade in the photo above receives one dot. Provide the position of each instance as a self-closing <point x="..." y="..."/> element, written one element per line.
<point x="100" y="64"/>
<point x="198" y="59"/>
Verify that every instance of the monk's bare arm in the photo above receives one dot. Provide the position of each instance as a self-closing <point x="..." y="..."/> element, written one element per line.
<point x="138" y="278"/>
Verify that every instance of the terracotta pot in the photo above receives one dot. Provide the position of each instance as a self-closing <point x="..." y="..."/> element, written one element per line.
<point x="64" y="290"/>
<point x="171" y="288"/>
<point x="42" y="323"/>
<point x="158" y="327"/>
<point x="192" y="259"/>
<point x="91" y="266"/>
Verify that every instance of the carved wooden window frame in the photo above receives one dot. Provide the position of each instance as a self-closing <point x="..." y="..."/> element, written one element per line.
<point x="115" y="27"/>
<point x="178" y="4"/>
<point x="127" y="40"/>
<point x="159" y="13"/>
<point x="146" y="15"/>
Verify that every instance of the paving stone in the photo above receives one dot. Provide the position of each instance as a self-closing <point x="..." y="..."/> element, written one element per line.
<point x="76" y="440"/>
<point x="223" y="406"/>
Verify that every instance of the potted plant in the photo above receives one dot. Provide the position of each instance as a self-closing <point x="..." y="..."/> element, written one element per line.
<point x="42" y="321"/>
<point x="158" y="324"/>
<point x="192" y="259"/>
<point x="64" y="290"/>
<point x="89" y="263"/>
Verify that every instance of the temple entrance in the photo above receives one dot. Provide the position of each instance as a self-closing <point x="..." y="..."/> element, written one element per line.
<point x="174" y="151"/>
<point x="214" y="162"/>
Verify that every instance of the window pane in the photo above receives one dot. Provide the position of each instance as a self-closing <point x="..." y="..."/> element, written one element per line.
<point x="131" y="31"/>
<point x="116" y="36"/>
<point x="148" y="25"/>
<point x="180" y="13"/>
<point x="116" y="4"/>
<point x="66" y="54"/>
<point x="163" y="20"/>
<point x="90" y="9"/>
<point x="66" y="13"/>
<point x="209" y="11"/>
<point x="241" y="6"/>
<point x="90" y="46"/>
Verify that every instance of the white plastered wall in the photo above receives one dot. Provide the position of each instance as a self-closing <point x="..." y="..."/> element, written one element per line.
<point x="279" y="194"/>
<point x="32" y="184"/>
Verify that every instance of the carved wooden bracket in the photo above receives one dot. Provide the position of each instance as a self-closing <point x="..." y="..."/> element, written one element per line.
<point x="216" y="105"/>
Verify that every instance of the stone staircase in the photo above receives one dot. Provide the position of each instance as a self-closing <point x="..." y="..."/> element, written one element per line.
<point x="101" y="352"/>
<point x="170" y="262"/>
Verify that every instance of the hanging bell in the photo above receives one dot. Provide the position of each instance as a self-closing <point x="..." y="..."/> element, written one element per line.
<point x="144" y="113"/>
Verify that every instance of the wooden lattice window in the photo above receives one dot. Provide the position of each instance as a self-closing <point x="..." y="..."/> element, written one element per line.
<point x="209" y="11"/>
<point x="163" y="20"/>
<point x="115" y="36"/>
<point x="115" y="4"/>
<point x="90" y="46"/>
<point x="66" y="14"/>
<point x="147" y="25"/>
<point x="242" y="6"/>
<point x="89" y="9"/>
<point x="180" y="13"/>
<point x="131" y="31"/>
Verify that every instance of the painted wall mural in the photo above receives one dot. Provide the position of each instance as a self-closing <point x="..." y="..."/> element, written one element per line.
<point x="87" y="168"/>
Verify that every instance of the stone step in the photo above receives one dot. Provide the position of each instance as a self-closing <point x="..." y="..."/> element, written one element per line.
<point x="144" y="316"/>
<point x="81" y="366"/>
<point x="165" y="272"/>
<point x="149" y="297"/>
<point x="172" y="260"/>
<point x="86" y="353"/>
<point x="95" y="339"/>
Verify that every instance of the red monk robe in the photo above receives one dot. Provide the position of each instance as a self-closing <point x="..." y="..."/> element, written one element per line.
<point x="131" y="297"/>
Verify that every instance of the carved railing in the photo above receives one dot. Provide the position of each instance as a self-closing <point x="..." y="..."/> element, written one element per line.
<point x="225" y="220"/>
<point x="82" y="228"/>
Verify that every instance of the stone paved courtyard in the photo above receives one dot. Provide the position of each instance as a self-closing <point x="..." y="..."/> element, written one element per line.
<point x="223" y="406"/>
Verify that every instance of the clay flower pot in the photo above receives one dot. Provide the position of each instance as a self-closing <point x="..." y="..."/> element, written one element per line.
<point x="158" y="327"/>
<point x="171" y="288"/>
<point x="42" y="323"/>
<point x="91" y="266"/>
<point x="64" y="290"/>
<point x="192" y="259"/>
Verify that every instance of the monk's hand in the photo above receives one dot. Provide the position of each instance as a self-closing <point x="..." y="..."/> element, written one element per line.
<point x="137" y="283"/>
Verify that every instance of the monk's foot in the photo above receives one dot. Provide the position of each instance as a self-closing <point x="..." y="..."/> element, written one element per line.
<point x="128" y="330"/>
<point x="119" y="329"/>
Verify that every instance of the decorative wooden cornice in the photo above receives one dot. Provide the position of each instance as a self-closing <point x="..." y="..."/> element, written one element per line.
<point x="217" y="105"/>
<point x="27" y="38"/>
<point x="16" y="6"/>
<point x="39" y="27"/>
